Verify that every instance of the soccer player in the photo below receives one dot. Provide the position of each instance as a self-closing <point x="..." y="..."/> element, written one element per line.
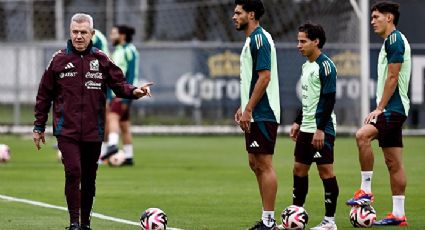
<point x="385" y="122"/>
<point x="75" y="81"/>
<point x="126" y="57"/>
<point x="314" y="128"/>
<point x="100" y="42"/>
<point x="259" y="113"/>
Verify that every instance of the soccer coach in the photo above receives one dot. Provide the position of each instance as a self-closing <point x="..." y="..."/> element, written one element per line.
<point x="75" y="81"/>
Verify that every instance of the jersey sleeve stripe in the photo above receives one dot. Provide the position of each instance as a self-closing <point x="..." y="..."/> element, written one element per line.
<point x="258" y="40"/>
<point x="326" y="67"/>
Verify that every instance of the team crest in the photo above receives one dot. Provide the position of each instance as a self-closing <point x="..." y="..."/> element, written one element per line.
<point x="94" y="65"/>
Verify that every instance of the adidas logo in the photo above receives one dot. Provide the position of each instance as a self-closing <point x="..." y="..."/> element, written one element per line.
<point x="368" y="179"/>
<point x="317" y="155"/>
<point x="69" y="65"/>
<point x="328" y="201"/>
<point x="254" y="144"/>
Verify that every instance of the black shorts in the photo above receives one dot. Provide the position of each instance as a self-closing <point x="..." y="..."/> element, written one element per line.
<point x="389" y="129"/>
<point x="262" y="138"/>
<point x="305" y="153"/>
<point x="116" y="106"/>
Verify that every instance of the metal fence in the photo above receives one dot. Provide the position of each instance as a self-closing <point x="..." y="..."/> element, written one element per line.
<point x="191" y="50"/>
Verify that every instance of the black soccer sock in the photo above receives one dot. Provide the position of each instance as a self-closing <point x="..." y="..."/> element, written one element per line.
<point x="331" y="195"/>
<point x="300" y="190"/>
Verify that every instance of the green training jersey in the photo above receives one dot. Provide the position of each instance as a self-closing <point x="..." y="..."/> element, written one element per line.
<point x="259" y="53"/>
<point x="317" y="78"/>
<point x="127" y="58"/>
<point x="100" y="42"/>
<point x="396" y="49"/>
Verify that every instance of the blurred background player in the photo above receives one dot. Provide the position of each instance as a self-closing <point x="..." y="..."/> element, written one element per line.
<point x="386" y="121"/>
<point x="314" y="127"/>
<point x="99" y="41"/>
<point x="259" y="112"/>
<point x="126" y="56"/>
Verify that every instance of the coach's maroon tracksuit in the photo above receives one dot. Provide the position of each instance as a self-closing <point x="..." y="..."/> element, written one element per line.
<point x="76" y="83"/>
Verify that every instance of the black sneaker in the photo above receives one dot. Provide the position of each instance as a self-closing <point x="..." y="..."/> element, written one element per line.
<point x="74" y="226"/>
<point x="111" y="150"/>
<point x="128" y="162"/>
<point x="85" y="227"/>
<point x="260" y="226"/>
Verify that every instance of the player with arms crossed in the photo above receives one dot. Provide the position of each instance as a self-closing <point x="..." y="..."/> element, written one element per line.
<point x="314" y="128"/>
<point x="386" y="121"/>
<point x="259" y="113"/>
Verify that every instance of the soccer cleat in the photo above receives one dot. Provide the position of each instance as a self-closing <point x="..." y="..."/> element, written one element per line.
<point x="391" y="220"/>
<point x="73" y="226"/>
<point x="361" y="198"/>
<point x="128" y="162"/>
<point x="111" y="150"/>
<point x="325" y="225"/>
<point x="260" y="226"/>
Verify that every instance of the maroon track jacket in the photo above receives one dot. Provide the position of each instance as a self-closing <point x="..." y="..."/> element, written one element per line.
<point x="76" y="83"/>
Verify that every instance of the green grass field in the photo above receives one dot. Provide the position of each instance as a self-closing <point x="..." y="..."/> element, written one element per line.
<point x="200" y="182"/>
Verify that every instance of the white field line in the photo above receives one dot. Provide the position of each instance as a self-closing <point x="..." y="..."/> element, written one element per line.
<point x="97" y="215"/>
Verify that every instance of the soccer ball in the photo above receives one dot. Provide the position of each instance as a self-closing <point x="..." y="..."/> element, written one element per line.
<point x="362" y="216"/>
<point x="294" y="217"/>
<point x="59" y="156"/>
<point x="117" y="159"/>
<point x="153" y="219"/>
<point x="4" y="153"/>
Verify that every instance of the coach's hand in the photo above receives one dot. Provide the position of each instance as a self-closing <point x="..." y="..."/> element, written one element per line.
<point x="145" y="90"/>
<point x="37" y="136"/>
<point x="245" y="121"/>
<point x="373" y="116"/>
<point x="293" y="133"/>
<point x="318" y="139"/>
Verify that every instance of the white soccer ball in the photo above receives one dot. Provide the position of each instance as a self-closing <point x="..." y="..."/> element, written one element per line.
<point x="294" y="217"/>
<point x="4" y="153"/>
<point x="153" y="219"/>
<point x="362" y="216"/>
<point x="117" y="159"/>
<point x="59" y="156"/>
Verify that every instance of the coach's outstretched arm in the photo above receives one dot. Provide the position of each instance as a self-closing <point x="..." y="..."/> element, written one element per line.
<point x="116" y="81"/>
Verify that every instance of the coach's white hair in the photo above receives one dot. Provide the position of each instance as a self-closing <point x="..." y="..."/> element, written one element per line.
<point x="80" y="17"/>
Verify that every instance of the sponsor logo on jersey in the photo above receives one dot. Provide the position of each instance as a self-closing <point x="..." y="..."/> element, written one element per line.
<point x="69" y="65"/>
<point x="91" y="75"/>
<point x="67" y="74"/>
<point x="94" y="65"/>
<point x="93" y="85"/>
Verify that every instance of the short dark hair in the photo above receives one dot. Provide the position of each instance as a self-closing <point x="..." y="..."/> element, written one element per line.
<point x="128" y="31"/>
<point x="387" y="7"/>
<point x="255" y="6"/>
<point x="313" y="32"/>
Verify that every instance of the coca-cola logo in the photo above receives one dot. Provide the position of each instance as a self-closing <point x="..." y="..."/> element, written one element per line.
<point x="91" y="75"/>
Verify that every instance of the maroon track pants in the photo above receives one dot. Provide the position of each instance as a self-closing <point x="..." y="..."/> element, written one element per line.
<point x="80" y="162"/>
